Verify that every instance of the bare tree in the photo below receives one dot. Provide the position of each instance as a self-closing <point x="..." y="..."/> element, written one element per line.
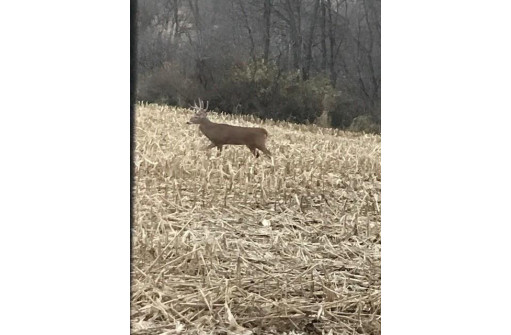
<point x="194" y="46"/>
<point x="309" y="41"/>
<point x="267" y="27"/>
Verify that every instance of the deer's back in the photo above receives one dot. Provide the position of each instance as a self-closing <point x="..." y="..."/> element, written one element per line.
<point x="220" y="133"/>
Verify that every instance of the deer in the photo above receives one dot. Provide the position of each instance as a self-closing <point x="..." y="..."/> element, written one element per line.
<point x="221" y="134"/>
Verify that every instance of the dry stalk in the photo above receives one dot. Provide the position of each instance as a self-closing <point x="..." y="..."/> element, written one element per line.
<point x="204" y="263"/>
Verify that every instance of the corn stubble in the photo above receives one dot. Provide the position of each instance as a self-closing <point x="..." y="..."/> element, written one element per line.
<point x="233" y="244"/>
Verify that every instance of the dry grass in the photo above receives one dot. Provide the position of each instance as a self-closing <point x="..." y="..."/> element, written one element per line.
<point x="231" y="244"/>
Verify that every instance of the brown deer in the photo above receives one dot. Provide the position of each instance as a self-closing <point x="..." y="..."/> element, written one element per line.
<point x="221" y="134"/>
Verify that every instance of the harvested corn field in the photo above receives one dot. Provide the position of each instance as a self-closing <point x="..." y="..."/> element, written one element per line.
<point x="233" y="244"/>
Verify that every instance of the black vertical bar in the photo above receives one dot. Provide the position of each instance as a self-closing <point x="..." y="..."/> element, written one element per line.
<point x="133" y="78"/>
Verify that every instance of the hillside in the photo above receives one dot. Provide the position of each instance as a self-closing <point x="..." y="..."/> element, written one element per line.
<point x="234" y="244"/>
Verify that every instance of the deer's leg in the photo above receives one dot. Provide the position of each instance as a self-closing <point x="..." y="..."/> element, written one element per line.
<point x="253" y="150"/>
<point x="212" y="145"/>
<point x="219" y="147"/>
<point x="263" y="149"/>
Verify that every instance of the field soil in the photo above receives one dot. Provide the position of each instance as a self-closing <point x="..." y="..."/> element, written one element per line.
<point x="233" y="244"/>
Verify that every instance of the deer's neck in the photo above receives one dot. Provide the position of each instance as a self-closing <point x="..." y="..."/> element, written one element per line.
<point x="205" y="123"/>
<point x="205" y="126"/>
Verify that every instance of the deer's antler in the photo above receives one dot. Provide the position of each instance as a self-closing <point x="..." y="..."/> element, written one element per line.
<point x="201" y="105"/>
<point x="195" y="107"/>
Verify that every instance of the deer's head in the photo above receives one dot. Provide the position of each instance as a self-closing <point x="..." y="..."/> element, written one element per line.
<point x="200" y="113"/>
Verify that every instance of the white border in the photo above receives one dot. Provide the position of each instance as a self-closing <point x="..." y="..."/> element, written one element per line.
<point x="65" y="131"/>
<point x="445" y="167"/>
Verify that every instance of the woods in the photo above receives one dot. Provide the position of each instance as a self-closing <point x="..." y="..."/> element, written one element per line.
<point x="303" y="61"/>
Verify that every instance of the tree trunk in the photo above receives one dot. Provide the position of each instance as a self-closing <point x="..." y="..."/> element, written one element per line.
<point x="308" y="43"/>
<point x="295" y="32"/>
<point x="175" y="25"/>
<point x="323" y="37"/>
<point x="267" y="26"/>
<point x="249" y="31"/>
<point x="331" y="38"/>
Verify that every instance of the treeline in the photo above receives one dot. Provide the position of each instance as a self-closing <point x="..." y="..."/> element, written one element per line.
<point x="297" y="60"/>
